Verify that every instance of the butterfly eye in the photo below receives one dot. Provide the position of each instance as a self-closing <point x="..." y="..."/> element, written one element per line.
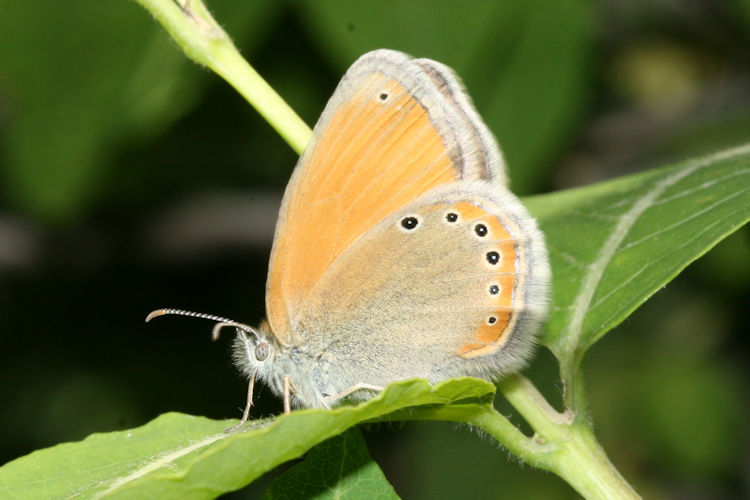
<point x="262" y="351"/>
<point x="480" y="230"/>
<point x="493" y="257"/>
<point x="409" y="223"/>
<point x="451" y="217"/>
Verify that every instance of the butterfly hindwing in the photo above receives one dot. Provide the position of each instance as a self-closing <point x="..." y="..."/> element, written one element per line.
<point x="453" y="284"/>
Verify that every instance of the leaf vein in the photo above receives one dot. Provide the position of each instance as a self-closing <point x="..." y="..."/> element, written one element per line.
<point x="160" y="462"/>
<point x="651" y="264"/>
<point x="573" y="331"/>
<point x="682" y="221"/>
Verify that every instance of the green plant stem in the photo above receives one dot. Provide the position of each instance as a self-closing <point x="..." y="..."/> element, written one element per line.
<point x="561" y="445"/>
<point x="485" y="417"/>
<point x="579" y="458"/>
<point x="203" y="40"/>
<point x="574" y="394"/>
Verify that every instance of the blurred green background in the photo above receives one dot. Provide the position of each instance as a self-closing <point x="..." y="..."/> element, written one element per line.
<point x="131" y="179"/>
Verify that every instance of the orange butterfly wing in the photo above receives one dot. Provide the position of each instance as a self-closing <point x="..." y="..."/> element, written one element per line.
<point x="394" y="129"/>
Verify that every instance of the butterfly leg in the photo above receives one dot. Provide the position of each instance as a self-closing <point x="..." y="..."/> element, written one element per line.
<point x="287" y="406"/>
<point x="246" y="413"/>
<point x="361" y="386"/>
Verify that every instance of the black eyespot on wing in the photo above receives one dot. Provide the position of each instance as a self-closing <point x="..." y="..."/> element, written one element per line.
<point x="493" y="257"/>
<point x="481" y="230"/>
<point x="491" y="320"/>
<point x="494" y="289"/>
<point x="409" y="223"/>
<point x="451" y="217"/>
<point x="383" y="96"/>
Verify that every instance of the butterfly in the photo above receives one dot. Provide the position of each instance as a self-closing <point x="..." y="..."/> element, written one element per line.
<point x="399" y="251"/>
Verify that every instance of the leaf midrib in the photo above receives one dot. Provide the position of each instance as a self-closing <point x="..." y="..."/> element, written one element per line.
<point x="161" y="461"/>
<point x="569" y="343"/>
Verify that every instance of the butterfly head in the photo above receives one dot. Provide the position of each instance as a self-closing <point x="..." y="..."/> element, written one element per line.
<point x="258" y="354"/>
<point x="255" y="350"/>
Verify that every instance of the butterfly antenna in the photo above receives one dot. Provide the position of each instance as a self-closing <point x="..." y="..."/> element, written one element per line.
<point x="220" y="321"/>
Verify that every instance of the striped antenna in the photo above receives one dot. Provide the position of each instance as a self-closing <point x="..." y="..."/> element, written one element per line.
<point x="220" y="321"/>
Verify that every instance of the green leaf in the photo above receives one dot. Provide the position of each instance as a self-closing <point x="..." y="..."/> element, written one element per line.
<point x="539" y="95"/>
<point x="85" y="78"/>
<point x="524" y="63"/>
<point x="346" y="30"/>
<point x="180" y="456"/>
<point x="614" y="244"/>
<point x="338" y="468"/>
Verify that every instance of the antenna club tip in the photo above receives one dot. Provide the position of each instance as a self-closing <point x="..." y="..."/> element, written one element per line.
<point x="156" y="314"/>
<point x="216" y="330"/>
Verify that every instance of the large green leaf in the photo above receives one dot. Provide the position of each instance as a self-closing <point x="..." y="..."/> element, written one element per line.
<point x="612" y="245"/>
<point x="338" y="468"/>
<point x="180" y="456"/>
<point x="524" y="63"/>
